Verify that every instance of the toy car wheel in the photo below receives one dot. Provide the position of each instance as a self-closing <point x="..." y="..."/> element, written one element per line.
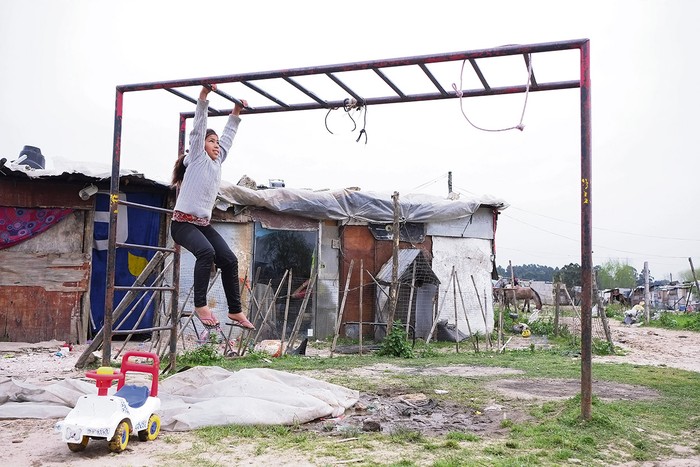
<point x="77" y="447"/>
<point x="121" y="437"/>
<point x="151" y="432"/>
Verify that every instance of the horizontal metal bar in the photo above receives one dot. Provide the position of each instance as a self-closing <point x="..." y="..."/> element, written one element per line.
<point x="306" y="91"/>
<point x="264" y="93"/>
<point x="228" y="97"/>
<point x="186" y="97"/>
<point x="146" y="206"/>
<point x="144" y="247"/>
<point x="528" y="59"/>
<point x="136" y="331"/>
<point x="479" y="74"/>
<point x="414" y="98"/>
<point x="389" y="82"/>
<point x="432" y="79"/>
<point x="144" y="288"/>
<point x="345" y="87"/>
<point x="368" y="65"/>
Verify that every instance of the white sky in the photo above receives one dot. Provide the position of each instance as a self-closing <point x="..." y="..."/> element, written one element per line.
<point x="62" y="60"/>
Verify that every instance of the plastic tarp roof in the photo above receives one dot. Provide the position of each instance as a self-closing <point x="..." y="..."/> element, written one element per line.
<point x="347" y="204"/>
<point x="200" y="396"/>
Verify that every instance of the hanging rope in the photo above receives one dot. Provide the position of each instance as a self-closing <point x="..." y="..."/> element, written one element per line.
<point x="520" y="126"/>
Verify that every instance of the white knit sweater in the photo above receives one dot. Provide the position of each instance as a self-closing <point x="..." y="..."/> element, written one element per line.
<point x="200" y="184"/>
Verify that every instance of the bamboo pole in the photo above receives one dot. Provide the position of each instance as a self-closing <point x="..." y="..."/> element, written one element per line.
<point x="270" y="307"/>
<point x="695" y="278"/>
<point x="129" y="297"/>
<point x="410" y="299"/>
<point x="362" y="288"/>
<point x="302" y="310"/>
<point x="483" y="315"/>
<point x="439" y="312"/>
<point x="466" y="317"/>
<point x="286" y="310"/>
<point x="454" y="294"/>
<point x="339" y="317"/>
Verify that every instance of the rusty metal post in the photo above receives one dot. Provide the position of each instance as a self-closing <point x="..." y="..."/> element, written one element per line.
<point x="175" y="298"/>
<point x="112" y="241"/>
<point x="586" y="233"/>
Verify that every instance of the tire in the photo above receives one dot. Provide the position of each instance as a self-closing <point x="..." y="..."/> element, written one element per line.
<point x="151" y="432"/>
<point x="121" y="437"/>
<point x="77" y="447"/>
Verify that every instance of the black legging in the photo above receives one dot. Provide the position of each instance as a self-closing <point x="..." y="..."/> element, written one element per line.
<point x="209" y="247"/>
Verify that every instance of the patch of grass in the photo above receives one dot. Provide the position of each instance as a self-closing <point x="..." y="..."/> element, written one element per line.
<point x="396" y="344"/>
<point x="203" y="355"/>
<point x="402" y="435"/>
<point x="462" y="436"/>
<point x="670" y="320"/>
<point x="619" y="431"/>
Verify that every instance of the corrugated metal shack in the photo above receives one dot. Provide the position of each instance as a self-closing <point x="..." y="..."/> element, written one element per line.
<point x="45" y="271"/>
<point x="343" y="227"/>
<point x="44" y="279"/>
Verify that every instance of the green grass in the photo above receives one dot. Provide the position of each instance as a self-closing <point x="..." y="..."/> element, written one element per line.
<point x="551" y="432"/>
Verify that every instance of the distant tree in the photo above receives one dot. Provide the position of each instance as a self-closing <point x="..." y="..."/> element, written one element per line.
<point x="570" y="275"/>
<point x="501" y="272"/>
<point x="687" y="276"/>
<point x="616" y="274"/>
<point x="530" y="272"/>
<point x="640" y="279"/>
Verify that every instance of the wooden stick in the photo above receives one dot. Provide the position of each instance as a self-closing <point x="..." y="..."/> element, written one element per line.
<point x="435" y="320"/>
<point x="302" y="310"/>
<point x="362" y="287"/>
<point x="473" y="338"/>
<point x="454" y="294"/>
<point x="129" y="297"/>
<point x="410" y="299"/>
<point x="271" y="306"/>
<point x="504" y="345"/>
<point x="286" y="310"/>
<point x="483" y="314"/>
<point x="342" y="308"/>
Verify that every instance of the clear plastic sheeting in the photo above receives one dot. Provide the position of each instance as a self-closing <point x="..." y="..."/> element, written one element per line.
<point x="346" y="204"/>
<point x="201" y="396"/>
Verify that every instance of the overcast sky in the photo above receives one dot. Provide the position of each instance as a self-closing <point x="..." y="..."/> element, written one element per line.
<point x="62" y="60"/>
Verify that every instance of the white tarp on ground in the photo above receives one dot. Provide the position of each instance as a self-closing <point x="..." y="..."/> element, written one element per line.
<point x="200" y="396"/>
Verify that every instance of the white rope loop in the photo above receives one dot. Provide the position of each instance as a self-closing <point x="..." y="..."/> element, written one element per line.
<point x="520" y="126"/>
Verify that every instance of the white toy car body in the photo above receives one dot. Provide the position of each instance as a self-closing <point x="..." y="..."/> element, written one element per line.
<point x="114" y="417"/>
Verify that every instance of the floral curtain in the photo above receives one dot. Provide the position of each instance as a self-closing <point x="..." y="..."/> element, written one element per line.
<point x="20" y="224"/>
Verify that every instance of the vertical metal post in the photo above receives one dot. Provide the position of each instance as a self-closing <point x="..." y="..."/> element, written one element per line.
<point x="112" y="241"/>
<point x="175" y="298"/>
<point x="586" y="232"/>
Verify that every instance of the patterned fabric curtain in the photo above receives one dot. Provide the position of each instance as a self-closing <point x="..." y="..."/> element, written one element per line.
<point x="20" y="224"/>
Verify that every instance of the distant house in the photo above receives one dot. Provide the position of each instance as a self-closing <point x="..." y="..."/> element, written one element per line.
<point x="329" y="231"/>
<point x="53" y="247"/>
<point x="52" y="284"/>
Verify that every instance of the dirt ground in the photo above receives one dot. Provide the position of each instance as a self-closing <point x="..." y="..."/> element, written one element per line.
<point x="30" y="442"/>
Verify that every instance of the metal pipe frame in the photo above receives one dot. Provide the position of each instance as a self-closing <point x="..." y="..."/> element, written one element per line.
<point x="377" y="66"/>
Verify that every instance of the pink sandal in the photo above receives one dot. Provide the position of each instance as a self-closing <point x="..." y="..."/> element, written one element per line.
<point x="242" y="323"/>
<point x="211" y="321"/>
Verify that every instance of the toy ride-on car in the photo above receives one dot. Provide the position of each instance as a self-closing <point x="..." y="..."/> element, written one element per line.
<point x="131" y="409"/>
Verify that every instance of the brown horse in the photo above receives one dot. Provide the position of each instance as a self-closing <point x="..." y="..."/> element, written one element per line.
<point x="522" y="293"/>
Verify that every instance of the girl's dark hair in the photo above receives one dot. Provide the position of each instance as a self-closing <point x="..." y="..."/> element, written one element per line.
<point x="179" y="168"/>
